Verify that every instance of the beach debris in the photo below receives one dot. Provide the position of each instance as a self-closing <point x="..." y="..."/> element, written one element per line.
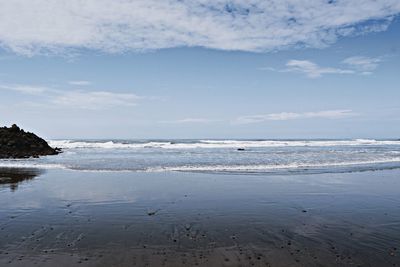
<point x="153" y="212"/>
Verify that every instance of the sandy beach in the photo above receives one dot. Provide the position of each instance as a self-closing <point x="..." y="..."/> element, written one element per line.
<point x="74" y="218"/>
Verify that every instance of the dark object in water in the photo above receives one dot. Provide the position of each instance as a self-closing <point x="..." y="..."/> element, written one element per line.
<point x="241" y="149"/>
<point x="16" y="143"/>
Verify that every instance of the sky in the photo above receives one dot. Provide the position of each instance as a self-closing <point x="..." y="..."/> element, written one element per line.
<point x="201" y="69"/>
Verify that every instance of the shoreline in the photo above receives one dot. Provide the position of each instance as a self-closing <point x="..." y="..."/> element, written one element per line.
<point x="225" y="170"/>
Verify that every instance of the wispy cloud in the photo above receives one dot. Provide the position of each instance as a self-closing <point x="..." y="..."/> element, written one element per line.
<point x="126" y="25"/>
<point x="95" y="99"/>
<point x="26" y="89"/>
<point x="187" y="120"/>
<point x="313" y="70"/>
<point x="76" y="98"/>
<point x="80" y="83"/>
<point x="363" y="64"/>
<point x="283" y="116"/>
<point x="352" y="65"/>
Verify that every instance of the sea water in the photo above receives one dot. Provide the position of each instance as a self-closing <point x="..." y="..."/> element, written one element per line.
<point x="220" y="156"/>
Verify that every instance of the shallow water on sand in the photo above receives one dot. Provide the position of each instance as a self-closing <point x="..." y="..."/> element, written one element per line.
<point x="74" y="218"/>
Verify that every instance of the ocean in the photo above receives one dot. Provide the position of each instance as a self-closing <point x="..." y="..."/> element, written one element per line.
<point x="220" y="156"/>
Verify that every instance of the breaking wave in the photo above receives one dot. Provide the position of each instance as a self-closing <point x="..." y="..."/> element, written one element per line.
<point x="71" y="144"/>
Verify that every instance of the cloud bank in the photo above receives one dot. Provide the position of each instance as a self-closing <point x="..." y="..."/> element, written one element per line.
<point x="54" y="26"/>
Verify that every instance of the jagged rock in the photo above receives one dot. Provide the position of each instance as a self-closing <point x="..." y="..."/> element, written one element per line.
<point x="16" y="143"/>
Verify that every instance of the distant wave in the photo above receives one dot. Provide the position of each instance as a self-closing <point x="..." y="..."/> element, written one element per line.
<point x="210" y="144"/>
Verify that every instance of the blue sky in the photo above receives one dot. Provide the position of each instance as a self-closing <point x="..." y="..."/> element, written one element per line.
<point x="201" y="69"/>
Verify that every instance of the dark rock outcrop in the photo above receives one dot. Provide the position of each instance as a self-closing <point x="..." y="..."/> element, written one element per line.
<point x="16" y="143"/>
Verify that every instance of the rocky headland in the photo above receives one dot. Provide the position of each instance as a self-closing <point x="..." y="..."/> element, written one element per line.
<point x="16" y="143"/>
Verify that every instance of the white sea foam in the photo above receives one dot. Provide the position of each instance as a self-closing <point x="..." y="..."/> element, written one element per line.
<point x="264" y="167"/>
<point x="211" y="144"/>
<point x="22" y="164"/>
<point x="199" y="168"/>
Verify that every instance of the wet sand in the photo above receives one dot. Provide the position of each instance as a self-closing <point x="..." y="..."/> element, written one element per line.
<point x="72" y="218"/>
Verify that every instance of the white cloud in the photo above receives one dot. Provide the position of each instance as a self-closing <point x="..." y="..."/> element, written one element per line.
<point x="54" y="26"/>
<point x="187" y="120"/>
<point x="95" y="99"/>
<point x="355" y="65"/>
<point x="80" y="83"/>
<point x="312" y="70"/>
<point x="283" y="116"/>
<point x="26" y="89"/>
<point x="364" y="64"/>
<point x="76" y="98"/>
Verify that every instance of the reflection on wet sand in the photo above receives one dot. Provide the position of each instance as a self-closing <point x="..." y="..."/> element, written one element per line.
<point x="13" y="176"/>
<point x="178" y="219"/>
